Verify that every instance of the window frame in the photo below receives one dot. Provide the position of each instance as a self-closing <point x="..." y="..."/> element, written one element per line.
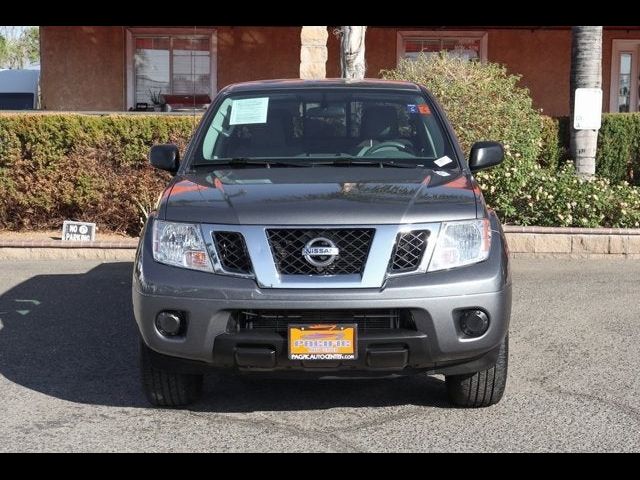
<point x="133" y="33"/>
<point x="618" y="47"/>
<point x="404" y="35"/>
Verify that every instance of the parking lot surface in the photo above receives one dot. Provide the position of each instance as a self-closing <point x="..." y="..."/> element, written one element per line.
<point x="69" y="376"/>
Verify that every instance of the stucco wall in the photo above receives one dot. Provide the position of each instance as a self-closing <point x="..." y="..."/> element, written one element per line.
<point x="82" y="68"/>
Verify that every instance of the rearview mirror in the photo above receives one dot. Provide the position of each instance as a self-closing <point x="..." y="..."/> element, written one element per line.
<point x="484" y="155"/>
<point x="165" y="157"/>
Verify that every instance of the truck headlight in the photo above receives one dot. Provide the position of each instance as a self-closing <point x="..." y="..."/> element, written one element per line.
<point x="180" y="245"/>
<point x="461" y="243"/>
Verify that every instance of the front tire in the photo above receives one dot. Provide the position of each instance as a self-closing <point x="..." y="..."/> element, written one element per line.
<point x="167" y="389"/>
<point x="480" y="389"/>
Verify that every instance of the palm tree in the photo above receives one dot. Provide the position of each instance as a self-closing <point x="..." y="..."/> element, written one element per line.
<point x="586" y="72"/>
<point x="352" y="52"/>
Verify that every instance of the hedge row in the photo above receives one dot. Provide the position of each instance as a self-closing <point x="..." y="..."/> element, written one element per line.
<point x="618" y="157"/>
<point x="70" y="166"/>
<point x="536" y="185"/>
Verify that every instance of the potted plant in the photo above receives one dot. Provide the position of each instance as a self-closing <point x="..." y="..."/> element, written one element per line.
<point x="156" y="99"/>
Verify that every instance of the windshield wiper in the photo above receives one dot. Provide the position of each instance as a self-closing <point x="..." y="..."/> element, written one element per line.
<point x="356" y="162"/>
<point x="244" y="161"/>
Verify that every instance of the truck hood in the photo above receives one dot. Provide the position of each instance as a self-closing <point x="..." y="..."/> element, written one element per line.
<point x="322" y="195"/>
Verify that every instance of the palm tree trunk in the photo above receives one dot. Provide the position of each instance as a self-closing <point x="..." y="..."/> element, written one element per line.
<point x="352" y="52"/>
<point x="586" y="72"/>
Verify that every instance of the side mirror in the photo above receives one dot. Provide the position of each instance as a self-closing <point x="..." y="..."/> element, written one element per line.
<point x="484" y="155"/>
<point x="165" y="157"/>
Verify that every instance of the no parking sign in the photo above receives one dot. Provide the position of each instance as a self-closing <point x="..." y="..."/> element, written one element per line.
<point x="78" y="231"/>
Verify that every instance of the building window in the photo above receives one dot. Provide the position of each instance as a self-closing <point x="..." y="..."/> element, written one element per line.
<point x="624" y="82"/>
<point x="169" y="62"/>
<point x="467" y="45"/>
<point x="625" y="76"/>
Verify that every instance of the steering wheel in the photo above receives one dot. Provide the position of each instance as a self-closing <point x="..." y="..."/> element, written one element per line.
<point x="398" y="146"/>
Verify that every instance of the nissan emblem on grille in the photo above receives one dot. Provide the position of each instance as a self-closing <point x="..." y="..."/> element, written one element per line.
<point x="320" y="252"/>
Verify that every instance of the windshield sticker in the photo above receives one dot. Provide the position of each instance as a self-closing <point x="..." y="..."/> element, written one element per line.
<point x="249" y="110"/>
<point x="441" y="162"/>
<point x="424" y="109"/>
<point x="442" y="173"/>
<point x="411" y="108"/>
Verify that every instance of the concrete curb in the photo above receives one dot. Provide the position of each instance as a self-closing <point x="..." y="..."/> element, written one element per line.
<point x="524" y="242"/>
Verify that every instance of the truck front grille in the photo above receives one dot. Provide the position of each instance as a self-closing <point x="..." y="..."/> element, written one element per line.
<point x="279" y="320"/>
<point x="287" y="244"/>
<point x="409" y="250"/>
<point x="232" y="251"/>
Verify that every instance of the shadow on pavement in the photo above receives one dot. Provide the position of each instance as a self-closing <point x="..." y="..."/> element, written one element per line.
<point x="73" y="337"/>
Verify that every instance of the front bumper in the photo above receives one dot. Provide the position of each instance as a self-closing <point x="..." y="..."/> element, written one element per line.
<point x="436" y="345"/>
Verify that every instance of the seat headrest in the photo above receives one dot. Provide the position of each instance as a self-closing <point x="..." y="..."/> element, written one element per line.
<point x="379" y="122"/>
<point x="275" y="131"/>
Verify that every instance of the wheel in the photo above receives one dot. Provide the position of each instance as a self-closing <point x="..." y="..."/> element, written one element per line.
<point x="480" y="389"/>
<point x="167" y="389"/>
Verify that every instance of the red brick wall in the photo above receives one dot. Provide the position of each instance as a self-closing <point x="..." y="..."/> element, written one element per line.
<point x="82" y="68"/>
<point x="541" y="56"/>
<point x="257" y="53"/>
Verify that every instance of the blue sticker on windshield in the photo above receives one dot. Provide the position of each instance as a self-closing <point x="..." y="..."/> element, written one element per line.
<point x="412" y="108"/>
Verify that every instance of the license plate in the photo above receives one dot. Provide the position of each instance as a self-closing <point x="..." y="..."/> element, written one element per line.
<point x="322" y="342"/>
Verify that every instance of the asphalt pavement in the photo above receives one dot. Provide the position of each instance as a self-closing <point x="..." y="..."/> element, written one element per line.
<point x="69" y="376"/>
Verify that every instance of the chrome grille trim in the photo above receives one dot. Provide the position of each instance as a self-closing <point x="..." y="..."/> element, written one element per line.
<point x="374" y="274"/>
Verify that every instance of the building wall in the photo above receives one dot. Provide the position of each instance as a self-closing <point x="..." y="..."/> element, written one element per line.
<point x="257" y="53"/>
<point x="82" y="68"/>
<point x="541" y="56"/>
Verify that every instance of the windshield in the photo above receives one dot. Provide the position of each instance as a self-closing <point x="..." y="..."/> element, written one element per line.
<point x="311" y="125"/>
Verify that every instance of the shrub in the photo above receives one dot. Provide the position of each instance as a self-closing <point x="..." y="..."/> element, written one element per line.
<point x="618" y="156"/>
<point x="80" y="167"/>
<point x="533" y="195"/>
<point x="482" y="101"/>
<point x="535" y="185"/>
<point x="56" y="167"/>
<point x="554" y="148"/>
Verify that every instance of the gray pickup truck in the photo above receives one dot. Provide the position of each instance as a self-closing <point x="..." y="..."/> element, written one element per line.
<point x="327" y="228"/>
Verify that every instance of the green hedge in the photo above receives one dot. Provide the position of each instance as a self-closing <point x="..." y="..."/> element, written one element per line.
<point x="55" y="167"/>
<point x="618" y="156"/>
<point x="70" y="166"/>
<point x="536" y="185"/>
<point x="482" y="100"/>
<point x="534" y="195"/>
